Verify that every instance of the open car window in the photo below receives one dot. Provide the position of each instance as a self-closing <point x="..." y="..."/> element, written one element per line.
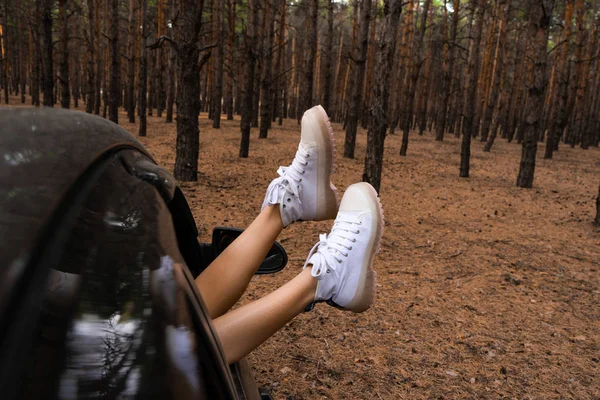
<point x="119" y="318"/>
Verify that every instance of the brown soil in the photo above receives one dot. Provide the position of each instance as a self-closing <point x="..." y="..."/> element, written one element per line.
<point x="485" y="290"/>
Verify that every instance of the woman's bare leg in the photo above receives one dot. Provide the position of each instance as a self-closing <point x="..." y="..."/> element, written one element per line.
<point x="245" y="328"/>
<point x="303" y="191"/>
<point x="226" y="279"/>
<point x="341" y="273"/>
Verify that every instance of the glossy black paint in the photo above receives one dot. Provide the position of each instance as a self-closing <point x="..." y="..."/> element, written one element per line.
<point x="43" y="153"/>
<point x="119" y="318"/>
<point x="96" y="300"/>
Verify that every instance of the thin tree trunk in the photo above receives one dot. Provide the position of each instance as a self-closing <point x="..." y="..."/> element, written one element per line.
<point x="246" y="123"/>
<point x="230" y="60"/>
<point x="63" y="68"/>
<point x="307" y="84"/>
<point x="440" y="126"/>
<point x="48" y="61"/>
<point x="360" y="59"/>
<point x="217" y="95"/>
<point x="415" y="70"/>
<point x="597" y="219"/>
<point x="115" y="64"/>
<point x="469" y="111"/>
<point x="379" y="101"/>
<point x="143" y="69"/>
<point x="560" y="100"/>
<point x="266" y="95"/>
<point x="327" y="82"/>
<point x="132" y="38"/>
<point x="496" y="72"/>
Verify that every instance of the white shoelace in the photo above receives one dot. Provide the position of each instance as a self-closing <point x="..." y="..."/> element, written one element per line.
<point x="331" y="248"/>
<point x="289" y="177"/>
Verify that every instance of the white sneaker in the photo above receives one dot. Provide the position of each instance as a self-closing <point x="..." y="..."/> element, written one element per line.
<point x="304" y="190"/>
<point x="343" y="261"/>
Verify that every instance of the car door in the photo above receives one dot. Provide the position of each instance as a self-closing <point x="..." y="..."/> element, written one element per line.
<point x="108" y="308"/>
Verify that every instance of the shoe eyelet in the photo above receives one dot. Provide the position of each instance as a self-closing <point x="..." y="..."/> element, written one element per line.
<point x="358" y="231"/>
<point x="353" y="240"/>
<point x="328" y="271"/>
<point x="284" y="206"/>
<point x="346" y="255"/>
<point x="300" y="180"/>
<point x="303" y="172"/>
<point x="339" y="261"/>
<point x="351" y="247"/>
<point x="288" y="200"/>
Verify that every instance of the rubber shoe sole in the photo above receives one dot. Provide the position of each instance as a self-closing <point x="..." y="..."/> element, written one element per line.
<point x="316" y="119"/>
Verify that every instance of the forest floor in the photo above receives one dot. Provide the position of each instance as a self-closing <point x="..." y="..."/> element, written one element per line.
<point x="485" y="290"/>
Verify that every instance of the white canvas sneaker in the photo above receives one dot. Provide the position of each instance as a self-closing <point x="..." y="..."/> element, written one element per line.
<point x="304" y="190"/>
<point x="342" y="261"/>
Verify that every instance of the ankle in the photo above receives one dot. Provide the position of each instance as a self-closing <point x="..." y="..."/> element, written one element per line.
<point x="309" y="285"/>
<point x="273" y="215"/>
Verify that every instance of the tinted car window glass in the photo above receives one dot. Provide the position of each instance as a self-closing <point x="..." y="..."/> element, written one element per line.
<point x="116" y="320"/>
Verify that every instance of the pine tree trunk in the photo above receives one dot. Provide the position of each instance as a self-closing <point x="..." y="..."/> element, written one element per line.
<point x="267" y="72"/>
<point x="414" y="78"/>
<point x="597" y="219"/>
<point x="496" y="72"/>
<point x="379" y="101"/>
<point x="328" y="73"/>
<point x="48" y="61"/>
<point x="217" y="95"/>
<point x="440" y="126"/>
<point x="306" y="86"/>
<point x="143" y="68"/>
<point x="131" y="37"/>
<point x="99" y="60"/>
<point x="231" y="61"/>
<point x="360" y="59"/>
<point x="469" y="111"/>
<point x="561" y="98"/>
<point x="251" y="44"/>
<point x="63" y="78"/>
<point x="36" y="56"/>
<point x="187" y="32"/>
<point x="541" y="14"/>
<point x="171" y="81"/>
<point x="115" y="64"/>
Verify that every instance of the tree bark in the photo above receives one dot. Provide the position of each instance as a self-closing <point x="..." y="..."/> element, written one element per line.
<point x="246" y="122"/>
<point x="473" y="73"/>
<point x="267" y="72"/>
<point x="187" y="32"/>
<point x="414" y="78"/>
<point x="131" y="37"/>
<point x="360" y="59"/>
<point x="379" y="101"/>
<point x="328" y="73"/>
<point x="307" y="84"/>
<point x="597" y="219"/>
<point x="541" y="14"/>
<point x="561" y="98"/>
<point x="65" y="93"/>
<point x="440" y="126"/>
<point x="217" y="95"/>
<point x="114" y="95"/>
<point x="48" y="61"/>
<point x="496" y="72"/>
<point x="143" y="69"/>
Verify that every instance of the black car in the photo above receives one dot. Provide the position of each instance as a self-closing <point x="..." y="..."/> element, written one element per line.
<point x="98" y="256"/>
